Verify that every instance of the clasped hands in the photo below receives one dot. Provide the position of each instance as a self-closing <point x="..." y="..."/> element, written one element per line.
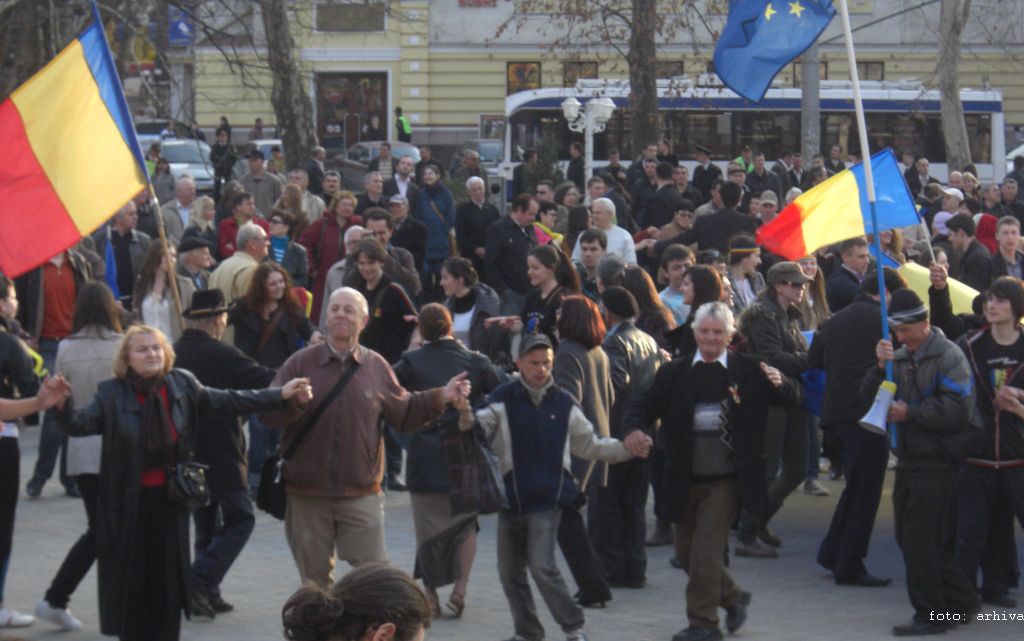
<point x="638" y="444"/>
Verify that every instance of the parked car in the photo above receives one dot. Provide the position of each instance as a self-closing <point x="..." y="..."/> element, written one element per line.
<point x="491" y="150"/>
<point x="241" y="167"/>
<point x="190" y="157"/>
<point x="147" y="130"/>
<point x="355" y="162"/>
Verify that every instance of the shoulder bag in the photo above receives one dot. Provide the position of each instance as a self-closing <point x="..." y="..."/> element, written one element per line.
<point x="271" y="496"/>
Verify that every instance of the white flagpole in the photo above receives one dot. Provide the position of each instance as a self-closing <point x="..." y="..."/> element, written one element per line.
<point x="862" y="130"/>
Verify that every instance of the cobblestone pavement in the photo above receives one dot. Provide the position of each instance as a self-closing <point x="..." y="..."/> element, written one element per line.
<point x="793" y="599"/>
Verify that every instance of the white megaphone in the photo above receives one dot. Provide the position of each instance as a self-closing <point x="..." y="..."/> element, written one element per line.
<point x="875" y="419"/>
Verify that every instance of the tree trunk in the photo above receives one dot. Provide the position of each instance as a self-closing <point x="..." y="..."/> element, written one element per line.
<point x="292" y="107"/>
<point x="643" y="83"/>
<point x="953" y="17"/>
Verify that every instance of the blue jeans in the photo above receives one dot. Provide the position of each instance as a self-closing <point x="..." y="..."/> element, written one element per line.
<point x="52" y="439"/>
<point x="220" y="541"/>
<point x="813" y="448"/>
<point x="528" y="541"/>
<point x="262" y="441"/>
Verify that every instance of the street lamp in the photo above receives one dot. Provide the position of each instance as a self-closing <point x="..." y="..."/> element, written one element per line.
<point x="589" y="119"/>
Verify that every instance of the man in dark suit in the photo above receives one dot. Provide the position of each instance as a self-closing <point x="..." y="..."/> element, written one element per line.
<point x="315" y="169"/>
<point x="472" y="218"/>
<point x="782" y="168"/>
<point x="705" y="174"/>
<point x="970" y="263"/>
<point x="844" y="283"/>
<point x="721" y="451"/>
<point x="220" y="444"/>
<point x="409" y="234"/>
<point x="844" y="348"/>
<point x="917" y="178"/>
<point x="714" y="230"/>
<point x="403" y="181"/>
<point x="661" y="206"/>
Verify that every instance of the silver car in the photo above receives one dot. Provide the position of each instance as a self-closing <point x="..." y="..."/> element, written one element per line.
<point x="190" y="157"/>
<point x="356" y="161"/>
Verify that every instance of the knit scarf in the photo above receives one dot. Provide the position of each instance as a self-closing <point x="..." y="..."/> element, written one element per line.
<point x="157" y="437"/>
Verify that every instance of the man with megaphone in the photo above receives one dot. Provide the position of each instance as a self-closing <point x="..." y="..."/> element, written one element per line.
<point x="932" y="408"/>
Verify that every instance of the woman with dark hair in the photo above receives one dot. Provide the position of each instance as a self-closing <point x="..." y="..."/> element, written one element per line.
<point x="285" y="251"/>
<point x="375" y="601"/>
<point x="813" y="312"/>
<point x="445" y="541"/>
<point x="142" y="536"/>
<point x="552" y="278"/>
<point x="701" y="284"/>
<point x="84" y="359"/>
<point x="227" y="195"/>
<point x="581" y="368"/>
<point x="655" y="318"/>
<point x="471" y="303"/>
<point x="544" y="225"/>
<point x="270" y="325"/>
<point x="579" y="221"/>
<point x="392" y="314"/>
<point x="435" y="208"/>
<point x="154" y="302"/>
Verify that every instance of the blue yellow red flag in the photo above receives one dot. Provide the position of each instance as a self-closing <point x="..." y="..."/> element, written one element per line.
<point x="762" y="36"/>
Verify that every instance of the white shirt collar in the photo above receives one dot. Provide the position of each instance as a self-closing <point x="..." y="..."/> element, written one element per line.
<point x="723" y="358"/>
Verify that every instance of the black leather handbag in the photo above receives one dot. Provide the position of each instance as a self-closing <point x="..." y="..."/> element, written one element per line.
<point x="271" y="496"/>
<point x="187" y="485"/>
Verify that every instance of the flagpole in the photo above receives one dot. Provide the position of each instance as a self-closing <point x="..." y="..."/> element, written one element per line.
<point x="862" y="130"/>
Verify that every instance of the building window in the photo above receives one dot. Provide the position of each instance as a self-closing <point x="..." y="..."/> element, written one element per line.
<point x="573" y="71"/>
<point x="351" y="16"/>
<point x="668" y="68"/>
<point x="797" y="72"/>
<point x="871" y="70"/>
<point x="522" y="76"/>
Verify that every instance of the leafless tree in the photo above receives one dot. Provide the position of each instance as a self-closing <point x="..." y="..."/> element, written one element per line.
<point x="953" y="17"/>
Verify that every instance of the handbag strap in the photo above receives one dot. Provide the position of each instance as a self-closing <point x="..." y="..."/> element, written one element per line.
<point x="311" y="420"/>
<point x="268" y="329"/>
<point x="437" y="211"/>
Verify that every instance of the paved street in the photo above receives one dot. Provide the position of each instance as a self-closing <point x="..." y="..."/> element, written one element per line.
<point x="793" y="599"/>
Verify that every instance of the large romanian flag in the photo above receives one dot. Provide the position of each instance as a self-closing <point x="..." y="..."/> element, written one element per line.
<point x="838" y="209"/>
<point x="71" y="158"/>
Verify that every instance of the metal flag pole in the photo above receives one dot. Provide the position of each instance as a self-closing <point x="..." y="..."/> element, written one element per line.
<point x="862" y="130"/>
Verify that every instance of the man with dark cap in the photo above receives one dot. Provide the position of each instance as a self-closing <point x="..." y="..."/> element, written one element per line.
<point x="532" y="425"/>
<point x="930" y="413"/>
<point x="194" y="260"/>
<point x="616" y="517"/>
<point x="771" y="326"/>
<point x="223" y="527"/>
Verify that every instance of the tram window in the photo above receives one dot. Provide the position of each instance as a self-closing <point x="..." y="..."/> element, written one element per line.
<point x="767" y="132"/>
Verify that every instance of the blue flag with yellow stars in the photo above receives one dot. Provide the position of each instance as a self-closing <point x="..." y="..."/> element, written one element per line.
<point x="763" y="36"/>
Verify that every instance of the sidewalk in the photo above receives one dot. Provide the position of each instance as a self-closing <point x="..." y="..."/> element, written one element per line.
<point x="793" y="599"/>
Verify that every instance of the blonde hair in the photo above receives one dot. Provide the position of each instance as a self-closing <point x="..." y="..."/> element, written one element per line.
<point x="195" y="213"/>
<point x="121" y="366"/>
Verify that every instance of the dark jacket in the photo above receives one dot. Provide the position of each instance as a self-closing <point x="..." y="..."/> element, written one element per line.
<point x="411" y="235"/>
<point x="841" y="289"/>
<point x="937" y="386"/>
<point x="634" y="358"/>
<point x="296" y="263"/>
<point x="411" y="192"/>
<point x="844" y="346"/>
<point x="483" y="339"/>
<point x="29" y="287"/>
<point x="220" y="442"/>
<point x="17" y="373"/>
<point x="137" y="247"/>
<point x="574" y="173"/>
<point x="116" y="413"/>
<point x="712" y="231"/>
<point x="940" y="312"/>
<point x="287" y="337"/>
<point x="669" y="401"/>
<point x="995" y="443"/>
<point x="703" y="179"/>
<point x="430" y="366"/>
<point x="316" y="178"/>
<point x="661" y="207"/>
<point x="507" y="247"/>
<point x="974" y="267"/>
<point x="999" y="264"/>
<point x="471" y="223"/>
<point x="759" y="183"/>
<point x="774" y="334"/>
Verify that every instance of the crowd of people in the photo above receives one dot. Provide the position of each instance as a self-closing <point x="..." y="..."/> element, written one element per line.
<point x="611" y="341"/>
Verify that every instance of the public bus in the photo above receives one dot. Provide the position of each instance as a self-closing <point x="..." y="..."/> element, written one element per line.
<point x="902" y="115"/>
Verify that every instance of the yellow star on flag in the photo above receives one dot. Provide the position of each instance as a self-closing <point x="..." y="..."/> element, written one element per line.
<point x="769" y="12"/>
<point x="795" y="8"/>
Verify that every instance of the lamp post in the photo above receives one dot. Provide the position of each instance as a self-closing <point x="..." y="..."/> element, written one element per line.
<point x="588" y="119"/>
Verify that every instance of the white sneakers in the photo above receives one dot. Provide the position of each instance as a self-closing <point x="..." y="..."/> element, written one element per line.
<point x="11" y="619"/>
<point x="57" y="616"/>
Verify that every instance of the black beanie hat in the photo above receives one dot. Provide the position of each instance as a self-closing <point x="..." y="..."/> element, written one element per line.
<point x="906" y="307"/>
<point x="620" y="302"/>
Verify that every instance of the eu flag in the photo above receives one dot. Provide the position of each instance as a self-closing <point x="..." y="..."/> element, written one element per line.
<point x="763" y="36"/>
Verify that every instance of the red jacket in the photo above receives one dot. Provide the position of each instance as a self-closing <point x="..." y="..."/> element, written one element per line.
<point x="227" y="230"/>
<point x="324" y="241"/>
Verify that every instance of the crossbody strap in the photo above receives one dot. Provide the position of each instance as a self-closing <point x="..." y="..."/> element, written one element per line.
<point x="311" y="420"/>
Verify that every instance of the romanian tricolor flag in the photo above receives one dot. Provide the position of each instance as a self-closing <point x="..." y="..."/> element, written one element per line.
<point x="71" y="158"/>
<point x="838" y="209"/>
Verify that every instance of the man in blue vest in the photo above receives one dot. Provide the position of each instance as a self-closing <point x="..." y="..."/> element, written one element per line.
<point x="533" y="426"/>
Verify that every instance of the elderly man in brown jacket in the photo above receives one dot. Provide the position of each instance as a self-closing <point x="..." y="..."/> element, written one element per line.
<point x="333" y="480"/>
